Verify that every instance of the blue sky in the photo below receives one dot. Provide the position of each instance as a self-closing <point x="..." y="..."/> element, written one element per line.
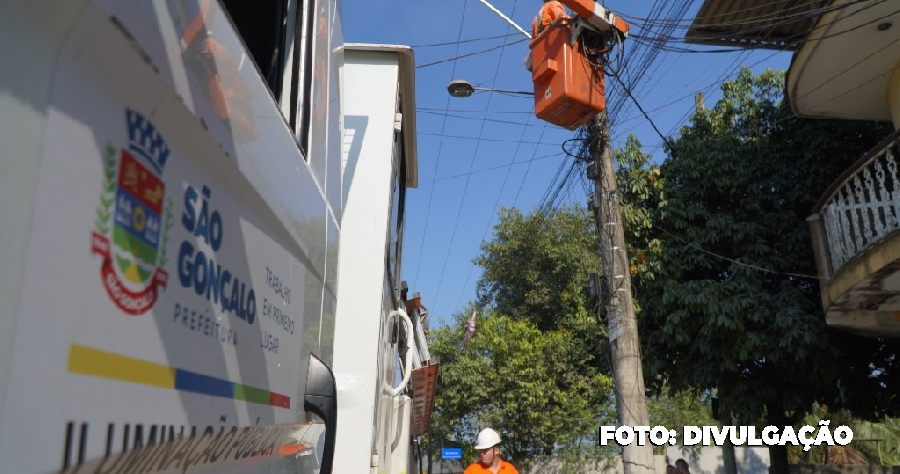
<point x="479" y="153"/>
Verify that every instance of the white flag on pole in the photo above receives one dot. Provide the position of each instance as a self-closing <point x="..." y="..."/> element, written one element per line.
<point x="470" y="329"/>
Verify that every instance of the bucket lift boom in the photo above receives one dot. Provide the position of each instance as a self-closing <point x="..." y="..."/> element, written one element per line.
<point x="597" y="16"/>
<point x="568" y="59"/>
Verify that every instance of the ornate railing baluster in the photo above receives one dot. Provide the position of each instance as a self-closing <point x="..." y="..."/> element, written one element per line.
<point x="863" y="207"/>
<point x="860" y="215"/>
<point x="845" y="219"/>
<point x="876" y="204"/>
<point x="895" y="186"/>
<point x="890" y="218"/>
<point x="835" y="232"/>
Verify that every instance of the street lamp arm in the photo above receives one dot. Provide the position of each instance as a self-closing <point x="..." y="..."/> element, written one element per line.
<point x="462" y="88"/>
<point x="504" y="91"/>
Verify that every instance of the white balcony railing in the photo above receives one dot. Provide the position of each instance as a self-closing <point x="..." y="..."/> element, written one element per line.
<point x="862" y="207"/>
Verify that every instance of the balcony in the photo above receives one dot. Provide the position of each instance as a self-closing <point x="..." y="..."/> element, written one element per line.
<point x="857" y="244"/>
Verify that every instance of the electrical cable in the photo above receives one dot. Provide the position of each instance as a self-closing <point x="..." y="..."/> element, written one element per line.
<point x="496" y="206"/>
<point x="638" y="105"/>
<point x="784" y="16"/>
<point x="483" y="139"/>
<point x="466" y="55"/>
<point x="452" y="43"/>
<point x="507" y="165"/>
<point x="650" y="46"/>
<point x="468" y="180"/>
<point x="737" y="262"/>
<point x="853" y="67"/>
<point x="686" y="22"/>
<point x="510" y="122"/>
<point x="438" y="156"/>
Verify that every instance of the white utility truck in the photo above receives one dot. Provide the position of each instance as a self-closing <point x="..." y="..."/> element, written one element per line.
<point x="202" y="207"/>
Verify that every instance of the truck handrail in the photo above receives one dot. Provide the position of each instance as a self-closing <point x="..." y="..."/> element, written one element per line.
<point x="408" y="366"/>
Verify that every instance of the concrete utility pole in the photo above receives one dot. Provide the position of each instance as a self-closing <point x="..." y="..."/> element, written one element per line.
<point x="628" y="374"/>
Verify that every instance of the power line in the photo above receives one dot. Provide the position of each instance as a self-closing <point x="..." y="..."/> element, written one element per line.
<point x="642" y="62"/>
<point x="468" y="177"/>
<point x="497" y="204"/>
<point x="734" y="261"/>
<point x="461" y="117"/>
<point x="507" y="165"/>
<point x="466" y="55"/>
<point x="438" y="157"/>
<point x="688" y="21"/>
<point x="712" y="85"/>
<point x="888" y="71"/>
<point x="473" y="111"/>
<point x="484" y="139"/>
<point x="451" y="43"/>
<point x="853" y="67"/>
<point x="783" y="16"/>
<point x="638" y="105"/>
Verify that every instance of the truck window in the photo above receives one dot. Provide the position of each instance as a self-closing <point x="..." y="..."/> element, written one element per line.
<point x="263" y="27"/>
<point x="277" y="35"/>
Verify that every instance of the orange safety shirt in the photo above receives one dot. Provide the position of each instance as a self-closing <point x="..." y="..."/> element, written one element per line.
<point x="477" y="468"/>
<point x="549" y="12"/>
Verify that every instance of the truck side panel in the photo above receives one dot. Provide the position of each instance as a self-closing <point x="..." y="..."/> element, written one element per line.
<point x="167" y="252"/>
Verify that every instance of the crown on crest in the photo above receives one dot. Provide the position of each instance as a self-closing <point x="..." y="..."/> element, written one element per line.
<point x="145" y="140"/>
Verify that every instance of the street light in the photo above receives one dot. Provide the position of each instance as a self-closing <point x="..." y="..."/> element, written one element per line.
<point x="462" y="88"/>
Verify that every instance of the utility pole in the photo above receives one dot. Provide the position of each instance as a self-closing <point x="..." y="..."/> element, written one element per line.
<point x="628" y="374"/>
<point x="585" y="68"/>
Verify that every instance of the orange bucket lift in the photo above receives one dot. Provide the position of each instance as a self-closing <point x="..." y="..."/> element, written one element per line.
<point x="567" y="66"/>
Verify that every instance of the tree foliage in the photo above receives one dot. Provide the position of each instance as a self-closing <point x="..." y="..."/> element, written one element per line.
<point x="640" y="184"/>
<point x="686" y="408"/>
<point x="875" y="441"/>
<point x="518" y="380"/>
<point x="535" y="368"/>
<point x="536" y="267"/>
<point x="730" y="298"/>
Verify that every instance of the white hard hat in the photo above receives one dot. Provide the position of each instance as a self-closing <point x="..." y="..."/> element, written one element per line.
<point x="488" y="438"/>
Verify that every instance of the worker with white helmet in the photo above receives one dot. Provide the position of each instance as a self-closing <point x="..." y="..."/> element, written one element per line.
<point x="488" y="447"/>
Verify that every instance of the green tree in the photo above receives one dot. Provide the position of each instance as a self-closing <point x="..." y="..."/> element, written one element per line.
<point x="735" y="303"/>
<point x="878" y="440"/>
<point x="516" y="379"/>
<point x="874" y="442"/>
<point x="686" y="408"/>
<point x="641" y="187"/>
<point x="536" y="367"/>
<point x="536" y="267"/>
